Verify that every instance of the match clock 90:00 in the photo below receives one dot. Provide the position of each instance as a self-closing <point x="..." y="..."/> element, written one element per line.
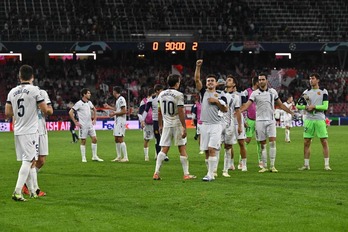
<point x="174" y="46"/>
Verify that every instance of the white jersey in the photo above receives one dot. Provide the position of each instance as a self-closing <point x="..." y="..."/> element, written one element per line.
<point x="170" y="100"/>
<point x="120" y="102"/>
<point x="152" y="103"/>
<point x="83" y="110"/>
<point x="264" y="100"/>
<point x="290" y="106"/>
<point x="237" y="102"/>
<point x="42" y="119"/>
<point x="24" y="99"/>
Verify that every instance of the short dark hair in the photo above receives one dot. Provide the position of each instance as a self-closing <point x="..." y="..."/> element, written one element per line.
<point x="212" y="76"/>
<point x="158" y="87"/>
<point x="117" y="89"/>
<point x="263" y="74"/>
<point x="84" y="91"/>
<point x="26" y="72"/>
<point x="150" y="92"/>
<point x="172" y="79"/>
<point x="316" y="75"/>
<point x="254" y="81"/>
<point x="235" y="81"/>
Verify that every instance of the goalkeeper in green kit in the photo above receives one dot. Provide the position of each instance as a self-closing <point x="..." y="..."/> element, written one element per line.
<point x="314" y="102"/>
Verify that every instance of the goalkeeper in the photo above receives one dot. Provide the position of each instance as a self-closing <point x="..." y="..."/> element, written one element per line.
<point x="314" y="101"/>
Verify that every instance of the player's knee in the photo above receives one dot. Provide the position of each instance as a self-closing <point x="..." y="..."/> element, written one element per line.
<point x="272" y="144"/>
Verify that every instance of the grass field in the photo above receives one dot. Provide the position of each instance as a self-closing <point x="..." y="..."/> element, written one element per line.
<point x="108" y="196"/>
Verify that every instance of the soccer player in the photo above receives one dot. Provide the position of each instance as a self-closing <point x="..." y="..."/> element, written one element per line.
<point x="119" y="113"/>
<point x="212" y="102"/>
<point x="289" y="103"/>
<point x="22" y="103"/>
<point x="314" y="101"/>
<point x="228" y="126"/>
<point x="171" y="120"/>
<point x="75" y="138"/>
<point x="265" y="125"/>
<point x="148" y="123"/>
<point x="153" y="104"/>
<point x="250" y="119"/>
<point x="239" y="135"/>
<point x="43" y="146"/>
<point x="85" y="123"/>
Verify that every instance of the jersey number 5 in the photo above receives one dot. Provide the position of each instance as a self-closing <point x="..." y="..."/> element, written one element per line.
<point x="20" y="107"/>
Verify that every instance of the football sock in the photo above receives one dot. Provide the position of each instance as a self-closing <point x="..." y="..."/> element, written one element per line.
<point x="264" y="156"/>
<point x="146" y="151"/>
<point x="185" y="164"/>
<point x="217" y="155"/>
<point x="83" y="151"/>
<point x="227" y="159"/>
<point x="33" y="177"/>
<point x="94" y="150"/>
<point x="306" y="162"/>
<point x="327" y="161"/>
<point x="258" y="150"/>
<point x="22" y="176"/>
<point x="118" y="150"/>
<point x="272" y="153"/>
<point x="160" y="158"/>
<point x="212" y="163"/>
<point x="244" y="162"/>
<point x="124" y="150"/>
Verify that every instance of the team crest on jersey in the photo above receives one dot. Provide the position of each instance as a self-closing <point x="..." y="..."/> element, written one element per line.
<point x="318" y="93"/>
<point x="216" y="95"/>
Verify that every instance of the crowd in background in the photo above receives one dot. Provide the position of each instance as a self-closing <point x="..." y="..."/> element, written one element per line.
<point x="64" y="79"/>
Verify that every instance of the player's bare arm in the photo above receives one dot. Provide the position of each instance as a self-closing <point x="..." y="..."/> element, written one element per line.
<point x="71" y="114"/>
<point x="283" y="107"/>
<point x="8" y="111"/>
<point x="198" y="75"/>
<point x="181" y="113"/>
<point x="245" y="106"/>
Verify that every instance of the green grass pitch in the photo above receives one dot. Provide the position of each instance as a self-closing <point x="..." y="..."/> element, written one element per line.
<point x="107" y="196"/>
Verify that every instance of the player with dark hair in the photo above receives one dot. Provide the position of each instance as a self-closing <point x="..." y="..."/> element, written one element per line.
<point x="152" y="103"/>
<point x="119" y="113"/>
<point x="148" y="122"/>
<point x="85" y="123"/>
<point x="172" y="125"/>
<point x="289" y="103"/>
<point x="212" y="101"/>
<point x="265" y="98"/>
<point x="22" y="104"/>
<point x="314" y="101"/>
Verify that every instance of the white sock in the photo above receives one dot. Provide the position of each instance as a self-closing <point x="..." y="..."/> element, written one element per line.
<point x="217" y="155"/>
<point x="160" y="158"/>
<point x="118" y="150"/>
<point x="185" y="164"/>
<point x="33" y="180"/>
<point x="94" y="150"/>
<point x="264" y="156"/>
<point x="124" y="150"/>
<point x="22" y="176"/>
<point x="211" y="166"/>
<point x="306" y="162"/>
<point x="244" y="162"/>
<point x="146" y="151"/>
<point x="287" y="135"/>
<point x="272" y="153"/>
<point x="83" y="151"/>
<point x="227" y="160"/>
<point x="327" y="161"/>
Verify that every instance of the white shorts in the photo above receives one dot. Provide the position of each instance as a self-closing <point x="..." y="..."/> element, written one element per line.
<point x="87" y="131"/>
<point x="210" y="136"/>
<point x="237" y="136"/>
<point x="148" y="132"/>
<point x="172" y="133"/>
<point x="43" y="144"/>
<point x="265" y="129"/>
<point x="120" y="129"/>
<point x="288" y="123"/>
<point x="227" y="134"/>
<point x="27" y="147"/>
<point x="199" y="128"/>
